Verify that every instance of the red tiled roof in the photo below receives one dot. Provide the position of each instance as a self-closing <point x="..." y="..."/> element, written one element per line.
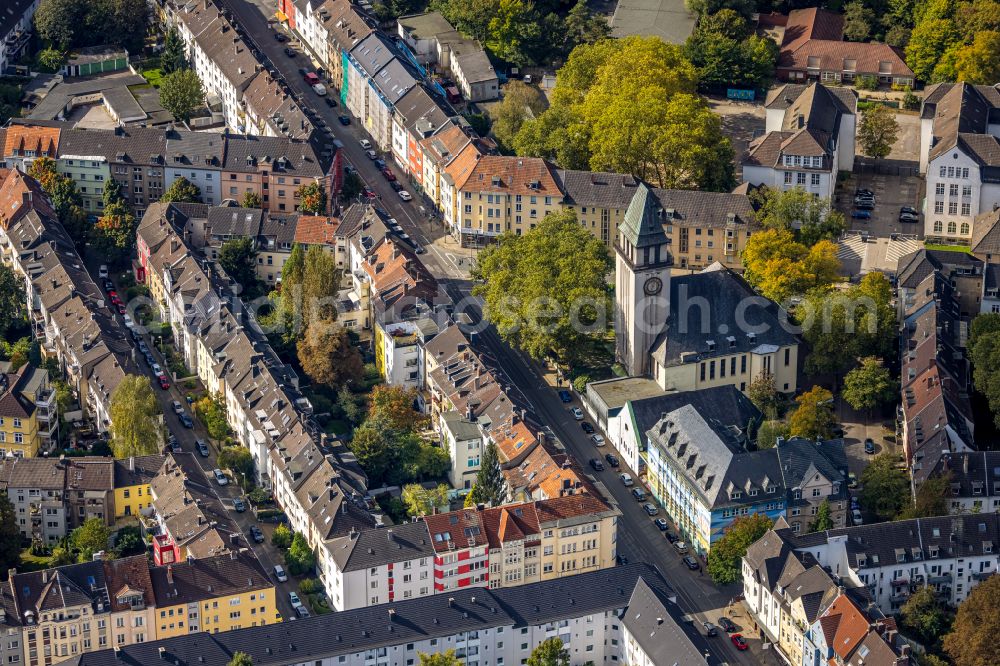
<point x="844" y="626"/>
<point x="316" y="230"/>
<point x="20" y="193"/>
<point x="43" y="141"/>
<point x="457" y="529"/>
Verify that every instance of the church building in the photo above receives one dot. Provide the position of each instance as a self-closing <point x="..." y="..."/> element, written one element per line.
<point x="693" y="331"/>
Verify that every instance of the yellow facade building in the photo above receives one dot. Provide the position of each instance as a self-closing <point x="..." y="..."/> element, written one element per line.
<point x="132" y="477"/>
<point x="29" y="417"/>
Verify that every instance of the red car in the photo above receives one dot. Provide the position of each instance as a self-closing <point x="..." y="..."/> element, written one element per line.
<point x="739" y="642"/>
<point x="121" y="309"/>
<point x="389" y="175"/>
<point x="164" y="384"/>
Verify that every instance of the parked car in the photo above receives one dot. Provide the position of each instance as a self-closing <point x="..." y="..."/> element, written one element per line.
<point x="293" y="599"/>
<point x="311" y="78"/>
<point x="389" y="175"/>
<point x="256" y="534"/>
<point x="380" y="164"/>
<point x="598" y="440"/>
<point x="279" y="37"/>
<point x="405" y="196"/>
<point x="710" y="629"/>
<point x="319" y="89"/>
<point x="565" y="396"/>
<point x="612" y="459"/>
<point x="177" y="407"/>
<point x="220" y="478"/>
<point x="692" y="563"/>
<point x="102" y="272"/>
<point x="855" y="502"/>
<point x="864" y="204"/>
<point x="852" y="480"/>
<point x="128" y="321"/>
<point x="639" y="494"/>
<point x="371" y="154"/>
<point x="164" y="384"/>
<point x="186" y="421"/>
<point x="650" y="509"/>
<point x="302" y="612"/>
<point x="869" y="446"/>
<point x="396" y="185"/>
<point x="671" y="537"/>
<point x="175" y="447"/>
<point x="577" y="413"/>
<point x="586" y="427"/>
<point x="727" y="625"/>
<point x="239" y="505"/>
<point x="908" y="214"/>
<point x="661" y="524"/>
<point x="366" y="144"/>
<point x="279" y="573"/>
<point x="597" y="465"/>
<point x="856" y="517"/>
<point x="157" y="370"/>
<point x="626" y="479"/>
<point x="330" y="102"/>
<point x="863" y="192"/>
<point x="740" y="642"/>
<point x="681" y="547"/>
<point x="344" y="120"/>
<point x="290" y="52"/>
<point x="202" y="447"/>
<point x="861" y="215"/>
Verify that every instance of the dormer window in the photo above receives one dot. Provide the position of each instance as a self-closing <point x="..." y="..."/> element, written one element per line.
<point x="736" y="495"/>
<point x="753" y="492"/>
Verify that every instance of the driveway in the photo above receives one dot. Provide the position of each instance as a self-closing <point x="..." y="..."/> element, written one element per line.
<point x="741" y="122"/>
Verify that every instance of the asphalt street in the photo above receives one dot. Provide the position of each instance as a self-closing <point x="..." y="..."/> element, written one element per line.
<point x="638" y="538"/>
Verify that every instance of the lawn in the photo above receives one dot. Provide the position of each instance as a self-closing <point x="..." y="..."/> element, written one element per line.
<point x="949" y="248"/>
<point x="154" y="76"/>
<point x="31" y="562"/>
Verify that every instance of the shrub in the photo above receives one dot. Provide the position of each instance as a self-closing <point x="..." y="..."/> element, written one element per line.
<point x="866" y="83"/>
<point x="910" y="101"/>
<point x="282" y="537"/>
<point x="580" y="383"/>
<point x="309" y="586"/>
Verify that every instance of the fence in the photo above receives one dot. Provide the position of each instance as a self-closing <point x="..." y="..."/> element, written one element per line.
<point x="869" y="166"/>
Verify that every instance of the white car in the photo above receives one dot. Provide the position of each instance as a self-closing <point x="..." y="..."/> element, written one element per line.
<point x="293" y="598"/>
<point x="626" y="479"/>
<point x="577" y="413"/>
<point x="177" y="407"/>
<point x="366" y="144"/>
<point x="597" y="440"/>
<point x="279" y="573"/>
<point x="220" y="478"/>
<point x="157" y="370"/>
<point x="372" y="155"/>
<point x="319" y="89"/>
<point x="102" y="272"/>
<point x="856" y="517"/>
<point x="128" y="321"/>
<point x="405" y="196"/>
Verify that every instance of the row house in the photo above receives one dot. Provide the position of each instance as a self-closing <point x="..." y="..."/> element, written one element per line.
<point x="52" y="497"/>
<point x="132" y="477"/>
<point x="375" y="80"/>
<point x="809" y="139"/>
<point x="796" y="604"/>
<point x="960" y="158"/>
<point x="501" y="626"/>
<point x="29" y="412"/>
<point x="434" y="154"/>
<point x="950" y="554"/>
<point x="706" y="477"/>
<point x="418" y="115"/>
<point x="23" y="145"/>
<point x="15" y="31"/>
<point x="330" y="28"/>
<point x="973" y="479"/>
<point x="67" y="310"/>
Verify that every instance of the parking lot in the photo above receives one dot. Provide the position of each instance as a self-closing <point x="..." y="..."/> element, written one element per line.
<point x="892" y="192"/>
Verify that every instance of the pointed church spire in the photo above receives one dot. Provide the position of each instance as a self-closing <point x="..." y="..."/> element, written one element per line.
<point x="643" y="225"/>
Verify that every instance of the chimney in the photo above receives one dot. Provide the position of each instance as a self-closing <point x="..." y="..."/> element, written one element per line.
<point x="170" y="574"/>
<point x="778" y="441"/>
<point x="163" y="650"/>
<point x="388" y="534"/>
<point x="451" y="601"/>
<point x="131" y="463"/>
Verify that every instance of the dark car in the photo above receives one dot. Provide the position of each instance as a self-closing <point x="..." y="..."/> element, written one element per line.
<point x="278" y="37"/>
<point x="202" y="448"/>
<point x="303" y="70"/>
<point x="587" y="428"/>
<point x="863" y="192"/>
<point x="565" y="396"/>
<point x="380" y="164"/>
<point x="671" y="537"/>
<point x="639" y="494"/>
<point x="256" y="534"/>
<point x="290" y="52"/>
<point x="395" y="185"/>
<point x="612" y="459"/>
<point x="330" y="102"/>
<point x="727" y="625"/>
<point x="344" y="120"/>
<point x="909" y="214"/>
<point x="869" y="446"/>
<point x="691" y="563"/>
<point x="186" y="421"/>
<point x="864" y="204"/>
<point x="597" y="465"/>
<point x="861" y="214"/>
<point x="661" y="524"/>
<point x="239" y="505"/>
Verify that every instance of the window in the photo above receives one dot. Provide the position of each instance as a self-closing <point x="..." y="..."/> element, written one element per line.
<point x="964" y="229"/>
<point x="952" y="207"/>
<point x="938" y="227"/>
<point x="966" y="208"/>
<point x="939" y="188"/>
<point x="953" y="190"/>
<point x="939" y="207"/>
<point x="815" y="180"/>
<point x="800" y="179"/>
<point x="788" y="178"/>
<point x="942" y="173"/>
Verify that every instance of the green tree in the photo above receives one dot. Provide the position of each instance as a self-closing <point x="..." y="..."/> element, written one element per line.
<point x="238" y="258"/>
<point x="813" y="418"/>
<point x="446" y="658"/>
<point x="931" y="498"/>
<point x="312" y="198"/>
<point x="724" y="564"/>
<point x="427" y="462"/>
<point x="320" y="281"/>
<point x="769" y="432"/>
<point x="979" y="62"/>
<point x="61" y="556"/>
<point x="513" y="31"/>
<point x="211" y="410"/>
<point x="823" y="520"/>
<point x="237" y="459"/>
<point x="10" y="535"/>
<point x="136" y="418"/>
<point x="924" y="618"/>
<point x="327" y="355"/>
<point x="113" y="236"/>
<point x="128" y="541"/>
<point x="878" y="131"/>
<point x="241" y="659"/>
<point x="547" y="291"/>
<point x="583" y="26"/>
<point x="372" y="444"/>
<point x="973" y="638"/>
<point x="780" y="267"/>
<point x="928" y="42"/>
<point x="12" y="299"/>
<point x="726" y="52"/>
<point x="89" y="538"/>
<point x="300" y="558"/>
<point x="282" y="536"/>
<point x="112" y="193"/>
<point x="174" y="56"/>
<point x="56" y="21"/>
<point x="182" y="190"/>
<point x="886" y="487"/>
<point x="394" y="404"/>
<point x="51" y="59"/>
<point x="422" y="501"/>
<point x="350" y="189"/>
<point x="550" y="652"/>
<point x="858" y="21"/>
<point x="251" y="200"/>
<point x="984" y="351"/>
<point x="491" y="486"/>
<point x="130" y="23"/>
<point x="763" y="393"/>
<point x="705" y="7"/>
<point x="869" y="385"/>
<point x="520" y="102"/>
<point x="798" y="209"/>
<point x="181" y="93"/>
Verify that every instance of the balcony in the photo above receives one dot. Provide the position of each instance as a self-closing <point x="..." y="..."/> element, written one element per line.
<point x="901" y="581"/>
<point x="939" y="579"/>
<point x="982" y="575"/>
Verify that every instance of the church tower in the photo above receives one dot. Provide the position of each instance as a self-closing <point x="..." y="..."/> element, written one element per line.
<point x="642" y="281"/>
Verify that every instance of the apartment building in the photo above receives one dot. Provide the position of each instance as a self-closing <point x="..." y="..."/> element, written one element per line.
<point x="418" y="115"/>
<point x="132" y="477"/>
<point x="376" y="79"/>
<point x="212" y="594"/>
<point x="435" y="153"/>
<point x="29" y="413"/>
<point x="23" y="145"/>
<point x="648" y="638"/>
<point x="959" y="126"/>
<point x="973" y="481"/>
<point x="52" y="497"/>
<point x="15" y="31"/>
<point x="585" y="611"/>
<point x="810" y="138"/>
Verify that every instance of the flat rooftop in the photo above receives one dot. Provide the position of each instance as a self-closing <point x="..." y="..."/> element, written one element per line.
<point x="616" y="392"/>
<point x="667" y="19"/>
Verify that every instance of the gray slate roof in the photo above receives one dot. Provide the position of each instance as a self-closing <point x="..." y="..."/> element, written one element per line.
<point x="916" y="266"/>
<point x="649" y="620"/>
<point x="725" y="406"/>
<point x="376" y="547"/>
<point x="601" y="190"/>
